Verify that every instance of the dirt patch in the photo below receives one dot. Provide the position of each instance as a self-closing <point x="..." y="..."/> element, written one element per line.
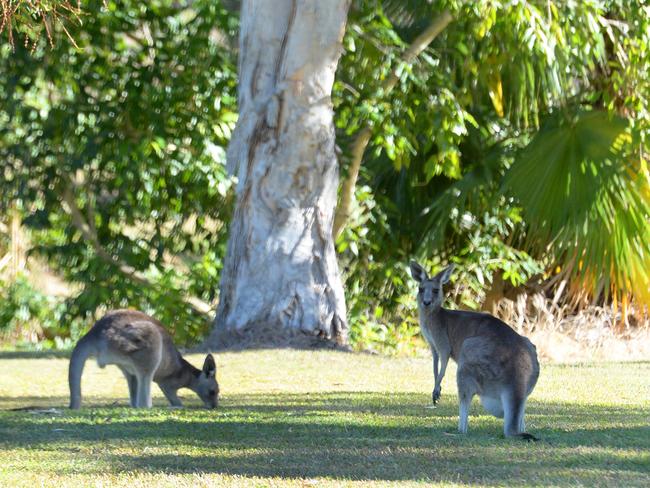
<point x="586" y="345"/>
<point x="591" y="334"/>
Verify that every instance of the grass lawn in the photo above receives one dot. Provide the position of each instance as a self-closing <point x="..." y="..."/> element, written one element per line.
<point x="297" y="418"/>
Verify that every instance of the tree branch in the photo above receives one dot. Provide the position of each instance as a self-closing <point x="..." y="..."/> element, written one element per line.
<point x="133" y="274"/>
<point x="363" y="137"/>
<point x="5" y="261"/>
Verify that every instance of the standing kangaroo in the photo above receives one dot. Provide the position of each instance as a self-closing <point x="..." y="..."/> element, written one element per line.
<point x="141" y="347"/>
<point x="494" y="361"/>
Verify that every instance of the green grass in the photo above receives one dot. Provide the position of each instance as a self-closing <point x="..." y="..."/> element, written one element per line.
<point x="297" y="418"/>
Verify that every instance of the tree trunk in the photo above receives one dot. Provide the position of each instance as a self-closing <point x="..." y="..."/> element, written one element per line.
<point x="280" y="281"/>
<point x="18" y="252"/>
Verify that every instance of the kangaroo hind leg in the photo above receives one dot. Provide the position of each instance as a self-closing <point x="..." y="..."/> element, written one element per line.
<point x="132" y="381"/>
<point x="148" y="361"/>
<point x="514" y="407"/>
<point x="467" y="388"/>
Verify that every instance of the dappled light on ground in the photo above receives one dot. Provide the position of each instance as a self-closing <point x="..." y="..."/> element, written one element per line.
<point x="286" y="420"/>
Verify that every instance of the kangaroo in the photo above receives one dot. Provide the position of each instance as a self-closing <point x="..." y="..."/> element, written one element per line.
<point x="141" y="347"/>
<point x="494" y="361"/>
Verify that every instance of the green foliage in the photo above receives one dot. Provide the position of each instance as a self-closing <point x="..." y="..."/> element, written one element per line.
<point x="448" y="141"/>
<point x="379" y="294"/>
<point x="498" y="65"/>
<point x="25" y="310"/>
<point x="484" y="249"/>
<point x="21" y="304"/>
<point x="517" y="142"/>
<point x="133" y="124"/>
<point x="604" y="232"/>
<point x="27" y="21"/>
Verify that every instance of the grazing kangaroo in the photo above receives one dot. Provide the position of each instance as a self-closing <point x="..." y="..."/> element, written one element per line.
<point x="494" y="361"/>
<point x="141" y="347"/>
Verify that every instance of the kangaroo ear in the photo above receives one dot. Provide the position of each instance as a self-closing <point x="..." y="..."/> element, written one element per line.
<point x="417" y="272"/>
<point x="445" y="274"/>
<point x="209" y="366"/>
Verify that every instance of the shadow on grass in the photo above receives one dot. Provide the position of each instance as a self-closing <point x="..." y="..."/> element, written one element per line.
<point x="464" y="464"/>
<point x="345" y="435"/>
<point x="34" y="354"/>
<point x="34" y="403"/>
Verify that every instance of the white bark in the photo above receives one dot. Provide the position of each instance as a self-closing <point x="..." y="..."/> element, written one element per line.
<point x="281" y="276"/>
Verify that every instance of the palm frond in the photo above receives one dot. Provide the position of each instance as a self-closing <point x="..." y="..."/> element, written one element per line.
<point x="582" y="192"/>
<point x="407" y="13"/>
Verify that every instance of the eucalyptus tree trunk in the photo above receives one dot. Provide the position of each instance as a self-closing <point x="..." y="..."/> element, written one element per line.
<point x="280" y="281"/>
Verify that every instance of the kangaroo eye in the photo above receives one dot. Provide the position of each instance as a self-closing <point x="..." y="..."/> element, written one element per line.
<point x="211" y="392"/>
<point x="421" y="289"/>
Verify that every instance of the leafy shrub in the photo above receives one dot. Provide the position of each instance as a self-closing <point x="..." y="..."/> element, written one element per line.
<point x="380" y="293"/>
<point x="29" y="318"/>
<point x="118" y="148"/>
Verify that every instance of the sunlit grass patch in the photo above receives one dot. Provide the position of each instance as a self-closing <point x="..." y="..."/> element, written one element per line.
<point x="299" y="418"/>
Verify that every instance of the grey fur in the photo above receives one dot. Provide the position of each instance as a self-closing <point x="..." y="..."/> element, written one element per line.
<point x="141" y="347"/>
<point x="494" y="361"/>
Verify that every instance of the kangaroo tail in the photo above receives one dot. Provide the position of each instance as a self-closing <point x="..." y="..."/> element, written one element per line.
<point x="82" y="350"/>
